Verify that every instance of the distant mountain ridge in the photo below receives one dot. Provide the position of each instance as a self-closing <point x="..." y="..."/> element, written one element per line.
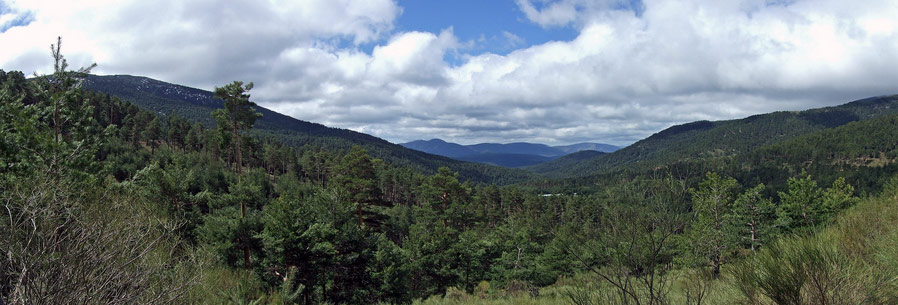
<point x="518" y="154"/>
<point x="599" y="147"/>
<point x="440" y="148"/>
<point x="517" y="148"/>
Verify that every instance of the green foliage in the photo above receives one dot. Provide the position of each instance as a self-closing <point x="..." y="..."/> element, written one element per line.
<point x="813" y="270"/>
<point x="238" y="114"/>
<point x="238" y="110"/>
<point x="178" y="129"/>
<point x="519" y="255"/>
<point x="837" y="198"/>
<point x="194" y="140"/>
<point x="357" y="175"/>
<point x="713" y="232"/>
<point x="48" y="124"/>
<point x="444" y="200"/>
<point x="800" y="206"/>
<point x="851" y="261"/>
<point x="432" y="266"/>
<point x="22" y="133"/>
<point x="152" y="132"/>
<point x="753" y="217"/>
<point x="227" y="232"/>
<point x="631" y="245"/>
<point x="806" y="205"/>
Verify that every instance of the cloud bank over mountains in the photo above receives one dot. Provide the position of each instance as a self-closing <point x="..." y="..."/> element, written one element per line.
<point x="633" y="69"/>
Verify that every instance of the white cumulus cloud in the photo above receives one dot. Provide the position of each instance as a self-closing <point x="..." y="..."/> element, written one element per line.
<point x="633" y="69"/>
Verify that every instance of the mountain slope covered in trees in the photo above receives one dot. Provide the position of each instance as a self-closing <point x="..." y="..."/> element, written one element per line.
<point x="703" y="140"/>
<point x="453" y="150"/>
<point x="518" y="154"/>
<point x="196" y="105"/>
<point x="505" y="160"/>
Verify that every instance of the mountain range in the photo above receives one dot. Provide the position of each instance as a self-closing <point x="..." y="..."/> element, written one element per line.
<point x="518" y="154"/>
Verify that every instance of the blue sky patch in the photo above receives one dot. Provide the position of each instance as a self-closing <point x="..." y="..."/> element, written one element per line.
<point x="18" y="18"/>
<point x="495" y="26"/>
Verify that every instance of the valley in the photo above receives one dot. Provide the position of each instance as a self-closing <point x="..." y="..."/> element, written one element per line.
<point x="426" y="202"/>
<point x="755" y="158"/>
<point x="514" y="155"/>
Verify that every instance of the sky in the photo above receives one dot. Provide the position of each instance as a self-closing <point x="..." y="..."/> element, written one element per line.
<point x="471" y="71"/>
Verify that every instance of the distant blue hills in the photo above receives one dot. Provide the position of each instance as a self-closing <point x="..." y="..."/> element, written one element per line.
<point x="518" y="154"/>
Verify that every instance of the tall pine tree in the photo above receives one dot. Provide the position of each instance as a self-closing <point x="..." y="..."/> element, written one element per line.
<point x="237" y="114"/>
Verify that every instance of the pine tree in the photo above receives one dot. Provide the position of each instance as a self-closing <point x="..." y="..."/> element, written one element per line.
<point x="837" y="198"/>
<point x="801" y="205"/>
<point x="152" y="132"/>
<point x="357" y="175"/>
<point x="713" y="230"/>
<point x="194" y="138"/>
<point x="48" y="124"/>
<point x="237" y="114"/>
<point x="754" y="215"/>
<point x="176" y="129"/>
<point x="445" y="197"/>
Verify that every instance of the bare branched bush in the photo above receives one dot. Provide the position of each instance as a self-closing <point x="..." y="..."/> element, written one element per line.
<point x="633" y="240"/>
<point x="697" y="286"/>
<point x="61" y="245"/>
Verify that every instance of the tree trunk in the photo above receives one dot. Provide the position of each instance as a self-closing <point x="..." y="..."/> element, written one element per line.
<point x="445" y="209"/>
<point x="359" y="212"/>
<point x="239" y="177"/>
<point x="753" y="237"/>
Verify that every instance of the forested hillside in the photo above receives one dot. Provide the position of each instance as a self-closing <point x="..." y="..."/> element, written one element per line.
<point x="196" y="105"/>
<point x="705" y="140"/>
<point x="104" y="201"/>
<point x="506" y="160"/>
<point x="519" y="154"/>
<point x="453" y="150"/>
<point x="860" y="150"/>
